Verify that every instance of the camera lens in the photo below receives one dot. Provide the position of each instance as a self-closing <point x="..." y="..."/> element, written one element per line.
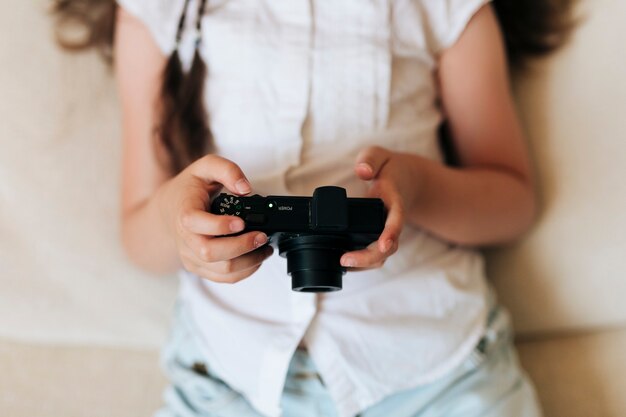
<point x="313" y="261"/>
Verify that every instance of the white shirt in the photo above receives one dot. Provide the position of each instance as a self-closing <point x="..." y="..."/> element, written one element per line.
<point x="295" y="89"/>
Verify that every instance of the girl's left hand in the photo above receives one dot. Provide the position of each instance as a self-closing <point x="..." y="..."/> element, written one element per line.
<point x="393" y="181"/>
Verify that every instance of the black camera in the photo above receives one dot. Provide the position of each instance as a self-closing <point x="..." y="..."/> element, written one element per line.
<point x="311" y="232"/>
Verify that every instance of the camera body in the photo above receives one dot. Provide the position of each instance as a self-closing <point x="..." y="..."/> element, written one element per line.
<point x="311" y="232"/>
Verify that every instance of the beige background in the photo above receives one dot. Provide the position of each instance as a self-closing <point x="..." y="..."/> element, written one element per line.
<point x="80" y="328"/>
<point x="569" y="273"/>
<point x="63" y="276"/>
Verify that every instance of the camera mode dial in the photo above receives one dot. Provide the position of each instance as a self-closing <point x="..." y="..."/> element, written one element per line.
<point x="229" y="205"/>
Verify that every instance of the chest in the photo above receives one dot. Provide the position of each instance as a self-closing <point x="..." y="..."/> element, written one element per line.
<point x="291" y="76"/>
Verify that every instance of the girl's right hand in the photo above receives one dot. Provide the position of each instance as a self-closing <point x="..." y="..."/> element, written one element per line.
<point x="183" y="203"/>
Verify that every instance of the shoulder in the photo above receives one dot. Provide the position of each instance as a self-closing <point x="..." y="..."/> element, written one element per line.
<point x="434" y="25"/>
<point x="159" y="16"/>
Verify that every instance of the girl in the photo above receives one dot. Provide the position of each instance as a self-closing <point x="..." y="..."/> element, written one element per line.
<point x="304" y="93"/>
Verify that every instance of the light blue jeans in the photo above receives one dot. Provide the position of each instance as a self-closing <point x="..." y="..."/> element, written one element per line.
<point x="488" y="383"/>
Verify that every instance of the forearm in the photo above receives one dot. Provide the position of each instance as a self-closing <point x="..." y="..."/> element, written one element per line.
<point x="471" y="206"/>
<point x="147" y="241"/>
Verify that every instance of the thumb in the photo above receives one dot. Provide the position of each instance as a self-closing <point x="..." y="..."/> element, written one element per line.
<point x="370" y="161"/>
<point x="213" y="169"/>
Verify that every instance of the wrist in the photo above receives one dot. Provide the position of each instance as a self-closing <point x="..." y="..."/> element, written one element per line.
<point x="416" y="171"/>
<point x="161" y="200"/>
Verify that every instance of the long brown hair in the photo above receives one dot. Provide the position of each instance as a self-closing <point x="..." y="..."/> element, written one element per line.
<point x="531" y="28"/>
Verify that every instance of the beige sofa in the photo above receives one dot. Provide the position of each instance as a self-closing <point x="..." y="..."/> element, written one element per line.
<point x="80" y="328"/>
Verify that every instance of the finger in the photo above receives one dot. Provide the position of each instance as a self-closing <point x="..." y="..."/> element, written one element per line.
<point x="202" y="271"/>
<point x="241" y="263"/>
<point x="364" y="258"/>
<point x="231" y="278"/>
<point x="370" y="161"/>
<point x="204" y="223"/>
<point x="393" y="225"/>
<point x="224" y="248"/>
<point x="225" y="271"/>
<point x="395" y="213"/>
<point x="213" y="168"/>
<point x="368" y="268"/>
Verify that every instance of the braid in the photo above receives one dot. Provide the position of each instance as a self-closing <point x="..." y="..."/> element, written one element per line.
<point x="184" y="132"/>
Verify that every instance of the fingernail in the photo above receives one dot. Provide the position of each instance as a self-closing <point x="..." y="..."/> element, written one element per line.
<point x="387" y="245"/>
<point x="349" y="262"/>
<point x="243" y="186"/>
<point x="365" y="168"/>
<point x="236" y="225"/>
<point x="260" y="240"/>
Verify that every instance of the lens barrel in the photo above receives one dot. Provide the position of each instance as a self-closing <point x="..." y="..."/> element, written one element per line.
<point x="313" y="261"/>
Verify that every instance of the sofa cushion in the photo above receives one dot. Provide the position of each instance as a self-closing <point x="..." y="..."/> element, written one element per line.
<point x="62" y="381"/>
<point x="578" y="375"/>
<point x="568" y="273"/>
<point x="63" y="274"/>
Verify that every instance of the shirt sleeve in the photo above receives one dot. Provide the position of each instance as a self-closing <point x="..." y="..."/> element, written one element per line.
<point x="160" y="17"/>
<point x="431" y="26"/>
<point x="451" y="17"/>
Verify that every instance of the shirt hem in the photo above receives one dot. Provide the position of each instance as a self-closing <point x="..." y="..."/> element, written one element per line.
<point x="350" y="400"/>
